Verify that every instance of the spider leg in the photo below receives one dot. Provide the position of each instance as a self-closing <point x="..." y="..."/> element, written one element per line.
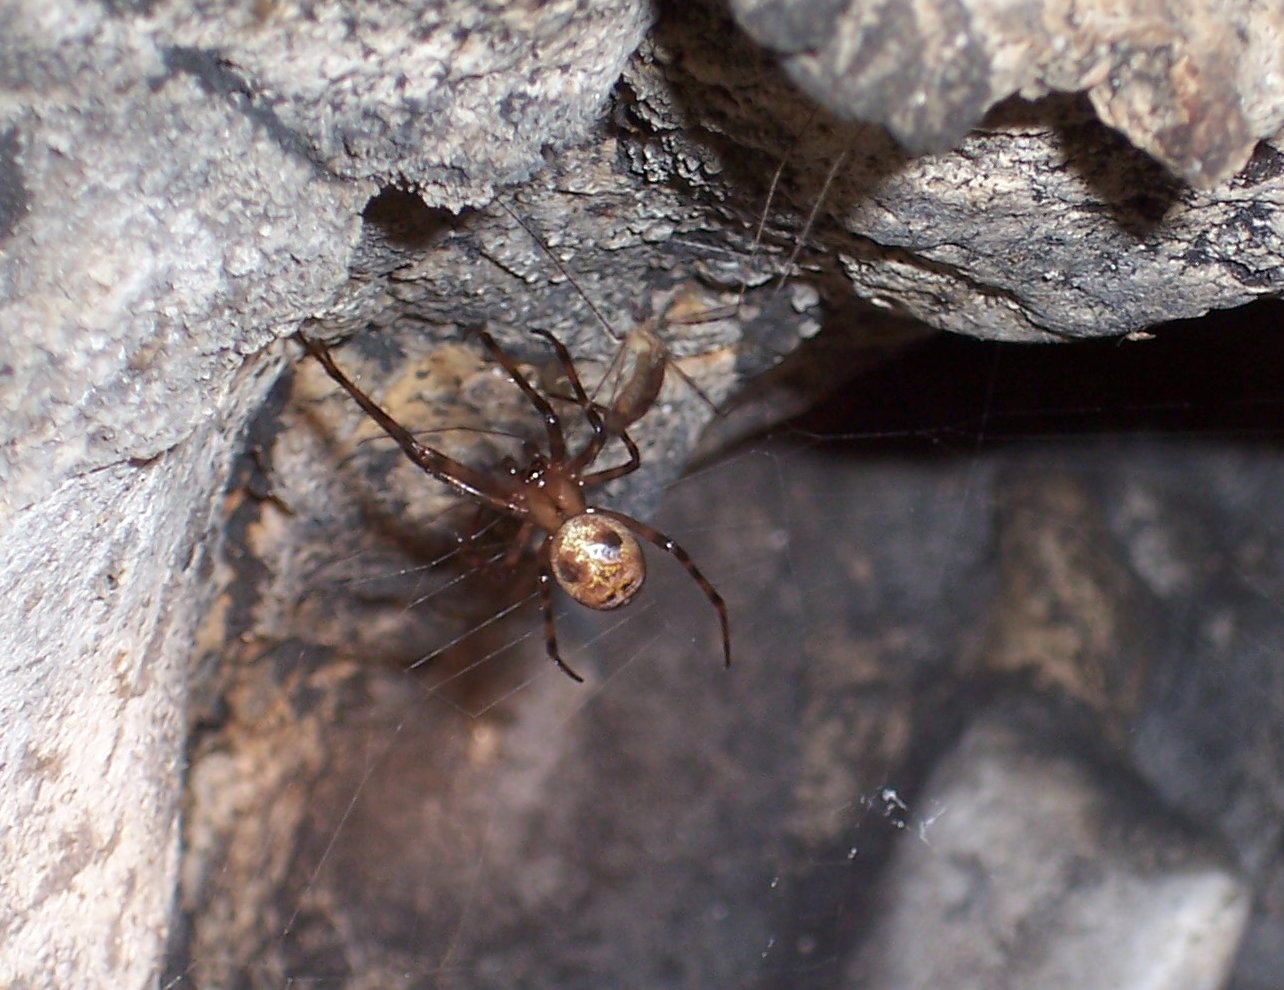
<point x="592" y="411"/>
<point x="546" y="606"/>
<point x="602" y="431"/>
<point x="620" y="470"/>
<point x="669" y="546"/>
<point x="568" y="365"/>
<point x="518" y="545"/>
<point x="552" y="425"/>
<point x="447" y="470"/>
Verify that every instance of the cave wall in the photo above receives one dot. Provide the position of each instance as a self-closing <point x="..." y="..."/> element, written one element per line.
<point x="182" y="186"/>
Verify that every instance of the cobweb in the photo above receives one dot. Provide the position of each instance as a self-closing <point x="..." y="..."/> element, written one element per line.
<point x="1075" y="548"/>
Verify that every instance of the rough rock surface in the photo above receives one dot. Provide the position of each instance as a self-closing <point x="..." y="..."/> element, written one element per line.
<point x="1194" y="85"/>
<point x="1046" y="868"/>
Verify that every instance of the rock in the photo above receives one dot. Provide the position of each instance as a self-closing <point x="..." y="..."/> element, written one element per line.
<point x="183" y="187"/>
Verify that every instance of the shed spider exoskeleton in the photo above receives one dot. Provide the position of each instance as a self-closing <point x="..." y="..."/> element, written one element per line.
<point x="590" y="551"/>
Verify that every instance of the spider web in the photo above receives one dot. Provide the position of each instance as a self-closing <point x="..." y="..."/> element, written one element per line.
<point x="478" y="820"/>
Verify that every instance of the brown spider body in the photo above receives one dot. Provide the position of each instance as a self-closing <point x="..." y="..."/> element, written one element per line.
<point x="590" y="552"/>
<point x="597" y="561"/>
<point x="552" y="498"/>
<point x="593" y="557"/>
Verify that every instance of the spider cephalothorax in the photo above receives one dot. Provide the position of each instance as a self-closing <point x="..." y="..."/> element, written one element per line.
<point x="591" y="552"/>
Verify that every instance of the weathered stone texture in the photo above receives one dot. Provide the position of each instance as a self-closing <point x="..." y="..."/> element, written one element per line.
<point x="184" y="185"/>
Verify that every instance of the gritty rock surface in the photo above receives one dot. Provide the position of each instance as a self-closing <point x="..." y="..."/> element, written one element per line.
<point x="182" y="186"/>
<point x="1194" y="85"/>
<point x="1044" y="868"/>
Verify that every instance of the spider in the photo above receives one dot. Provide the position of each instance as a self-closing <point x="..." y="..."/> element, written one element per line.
<point x="590" y="551"/>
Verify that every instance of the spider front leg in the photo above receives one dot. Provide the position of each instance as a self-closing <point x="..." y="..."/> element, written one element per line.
<point x="552" y="424"/>
<point x="620" y="470"/>
<point x="546" y="606"/>
<point x="581" y="398"/>
<point x="602" y="431"/>
<point x="445" y="469"/>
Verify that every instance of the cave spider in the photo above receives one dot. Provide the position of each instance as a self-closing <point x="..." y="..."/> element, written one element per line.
<point x="589" y="551"/>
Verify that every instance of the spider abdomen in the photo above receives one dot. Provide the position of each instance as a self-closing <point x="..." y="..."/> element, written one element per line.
<point x="597" y="561"/>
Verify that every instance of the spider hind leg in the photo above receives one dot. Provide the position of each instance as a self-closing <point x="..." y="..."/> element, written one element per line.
<point x="546" y="606"/>
<point x="671" y="547"/>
